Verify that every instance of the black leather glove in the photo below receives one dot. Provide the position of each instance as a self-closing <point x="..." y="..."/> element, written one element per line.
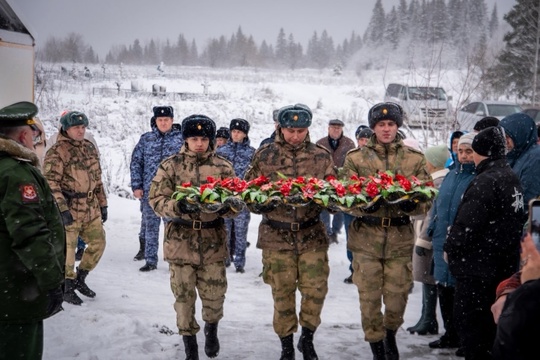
<point x="372" y="208"/>
<point x="420" y="251"/>
<point x="187" y="208"/>
<point x="67" y="218"/>
<point x="264" y="208"/>
<point x="235" y="204"/>
<point x="407" y="205"/>
<point x="104" y="213"/>
<point x="55" y="297"/>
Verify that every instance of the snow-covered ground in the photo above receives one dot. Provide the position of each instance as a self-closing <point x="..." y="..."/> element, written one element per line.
<point x="132" y="316"/>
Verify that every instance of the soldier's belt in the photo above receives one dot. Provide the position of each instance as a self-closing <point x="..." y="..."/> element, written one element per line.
<point x="78" y="195"/>
<point x="294" y="226"/>
<point x="198" y="225"/>
<point x="385" y="221"/>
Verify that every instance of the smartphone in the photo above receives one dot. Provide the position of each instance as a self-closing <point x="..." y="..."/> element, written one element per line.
<point x="534" y="221"/>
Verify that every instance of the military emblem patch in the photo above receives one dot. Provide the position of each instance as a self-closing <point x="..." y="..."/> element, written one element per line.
<point x="28" y="193"/>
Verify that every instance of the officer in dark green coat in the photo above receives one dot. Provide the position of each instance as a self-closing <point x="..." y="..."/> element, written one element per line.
<point x="32" y="240"/>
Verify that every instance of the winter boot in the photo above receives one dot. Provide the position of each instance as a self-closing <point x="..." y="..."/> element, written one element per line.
<point x="377" y="348"/>
<point x="211" y="346"/>
<point x="140" y="254"/>
<point x="450" y="339"/>
<point x="81" y="284"/>
<point x="287" y="348"/>
<point x="69" y="293"/>
<point x="390" y="346"/>
<point x="148" y="267"/>
<point x="305" y="345"/>
<point x="428" y="321"/>
<point x="191" y="347"/>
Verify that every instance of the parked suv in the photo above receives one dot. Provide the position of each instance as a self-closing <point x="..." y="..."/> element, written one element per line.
<point x="423" y="105"/>
<point x="468" y="115"/>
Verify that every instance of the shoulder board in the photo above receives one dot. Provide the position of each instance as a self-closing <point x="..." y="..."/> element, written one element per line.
<point x="222" y="158"/>
<point x="411" y="149"/>
<point x="354" y="150"/>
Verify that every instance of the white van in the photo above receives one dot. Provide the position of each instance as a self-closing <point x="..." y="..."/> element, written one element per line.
<point x="423" y="105"/>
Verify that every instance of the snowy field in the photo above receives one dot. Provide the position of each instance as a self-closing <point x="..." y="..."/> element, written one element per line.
<point x="132" y="316"/>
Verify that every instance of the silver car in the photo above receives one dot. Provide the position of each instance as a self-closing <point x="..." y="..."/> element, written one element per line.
<point x="468" y="115"/>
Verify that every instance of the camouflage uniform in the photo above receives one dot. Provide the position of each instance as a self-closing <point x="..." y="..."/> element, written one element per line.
<point x="294" y="259"/>
<point x="240" y="154"/>
<point x="382" y="255"/>
<point x="152" y="148"/>
<point x="74" y="174"/>
<point x="196" y="256"/>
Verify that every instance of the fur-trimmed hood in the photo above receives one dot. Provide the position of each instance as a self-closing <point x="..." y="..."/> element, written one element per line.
<point x="18" y="151"/>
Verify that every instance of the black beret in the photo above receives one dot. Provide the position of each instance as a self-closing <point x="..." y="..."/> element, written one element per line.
<point x="163" y="111"/>
<point x="198" y="125"/>
<point x="295" y="116"/>
<point x="385" y="111"/>
<point x="223" y="132"/>
<point x="18" y="114"/>
<point x="239" y="124"/>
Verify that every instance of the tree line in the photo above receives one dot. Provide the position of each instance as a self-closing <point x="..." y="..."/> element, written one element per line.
<point x="419" y="33"/>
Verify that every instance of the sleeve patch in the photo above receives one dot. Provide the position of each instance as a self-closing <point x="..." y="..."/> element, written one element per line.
<point x="29" y="194"/>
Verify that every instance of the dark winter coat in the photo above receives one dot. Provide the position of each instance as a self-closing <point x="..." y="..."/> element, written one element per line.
<point x="152" y="148"/>
<point x="240" y="154"/>
<point x="268" y="140"/>
<point x="308" y="160"/>
<point x="517" y="330"/>
<point x="444" y="210"/>
<point x="344" y="144"/>
<point x="484" y="239"/>
<point x="524" y="158"/>
<point x="184" y="246"/>
<point x="32" y="240"/>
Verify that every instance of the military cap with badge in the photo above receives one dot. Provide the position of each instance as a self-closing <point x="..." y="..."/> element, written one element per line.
<point x="385" y="111"/>
<point x="19" y="114"/>
<point x="198" y="125"/>
<point x="239" y="124"/>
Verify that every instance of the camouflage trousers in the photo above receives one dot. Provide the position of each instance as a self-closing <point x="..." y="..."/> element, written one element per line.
<point x="241" y="224"/>
<point x="286" y="272"/>
<point x="381" y="281"/>
<point x="94" y="235"/>
<point x="150" y="222"/>
<point x="210" y="282"/>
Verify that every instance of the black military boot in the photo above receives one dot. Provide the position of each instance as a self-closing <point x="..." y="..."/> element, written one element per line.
<point x="81" y="284"/>
<point x="211" y="345"/>
<point x="428" y="320"/>
<point x="377" y="348"/>
<point x="69" y="293"/>
<point x="287" y="348"/>
<point x="191" y="347"/>
<point x="390" y="346"/>
<point x="305" y="345"/>
<point x="140" y="254"/>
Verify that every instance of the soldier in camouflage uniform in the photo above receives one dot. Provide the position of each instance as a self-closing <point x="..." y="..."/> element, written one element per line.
<point x="195" y="242"/>
<point x="164" y="140"/>
<point x="381" y="238"/>
<point x="239" y="152"/>
<point x="293" y="239"/>
<point x="73" y="171"/>
<point x="32" y="241"/>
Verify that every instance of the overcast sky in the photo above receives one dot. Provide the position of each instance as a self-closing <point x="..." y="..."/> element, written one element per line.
<point x="104" y="23"/>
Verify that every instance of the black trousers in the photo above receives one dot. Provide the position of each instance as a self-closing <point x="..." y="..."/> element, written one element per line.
<point x="21" y="341"/>
<point x="473" y="318"/>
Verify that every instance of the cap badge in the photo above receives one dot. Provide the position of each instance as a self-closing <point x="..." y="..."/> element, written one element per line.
<point x="295" y="118"/>
<point x="384" y="111"/>
<point x="199" y="127"/>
